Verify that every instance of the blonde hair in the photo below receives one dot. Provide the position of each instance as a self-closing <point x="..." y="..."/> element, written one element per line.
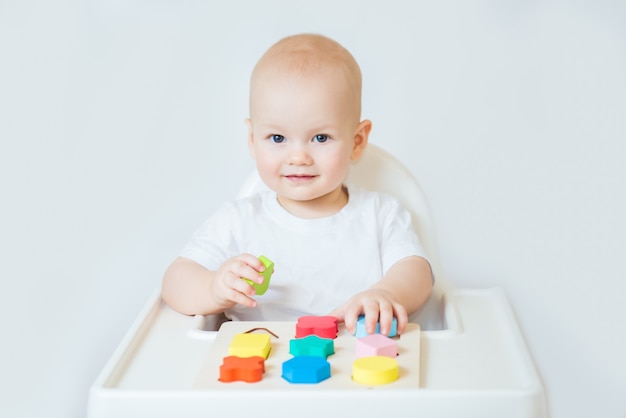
<point x="306" y="54"/>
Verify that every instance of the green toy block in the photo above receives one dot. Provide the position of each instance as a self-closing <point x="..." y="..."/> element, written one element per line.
<point x="267" y="274"/>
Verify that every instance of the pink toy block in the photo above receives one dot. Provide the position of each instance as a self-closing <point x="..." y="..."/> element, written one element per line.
<point x="376" y="345"/>
<point x="322" y="326"/>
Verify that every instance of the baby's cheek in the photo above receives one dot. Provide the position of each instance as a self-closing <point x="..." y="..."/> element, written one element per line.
<point x="267" y="169"/>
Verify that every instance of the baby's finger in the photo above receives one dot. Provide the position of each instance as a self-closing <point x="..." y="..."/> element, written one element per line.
<point x="350" y="317"/>
<point x="241" y="298"/>
<point x="402" y="317"/>
<point x="385" y="319"/>
<point x="252" y="261"/>
<point x="337" y="313"/>
<point x="371" y="310"/>
<point x="241" y="269"/>
<point x="243" y="289"/>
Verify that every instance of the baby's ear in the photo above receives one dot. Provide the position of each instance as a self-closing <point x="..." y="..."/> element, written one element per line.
<point x="250" y="137"/>
<point x="360" y="139"/>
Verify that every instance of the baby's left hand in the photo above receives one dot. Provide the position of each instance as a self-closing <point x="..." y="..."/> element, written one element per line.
<point x="377" y="305"/>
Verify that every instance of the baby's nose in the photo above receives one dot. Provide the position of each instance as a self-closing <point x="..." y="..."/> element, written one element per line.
<point x="298" y="155"/>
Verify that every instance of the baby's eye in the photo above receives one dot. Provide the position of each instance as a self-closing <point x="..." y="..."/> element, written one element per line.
<point x="277" y="139"/>
<point x="321" y="138"/>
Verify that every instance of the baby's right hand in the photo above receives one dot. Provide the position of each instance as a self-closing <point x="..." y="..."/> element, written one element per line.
<point x="228" y="288"/>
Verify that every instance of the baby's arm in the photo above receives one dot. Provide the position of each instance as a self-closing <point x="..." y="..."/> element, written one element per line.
<point x="402" y="291"/>
<point x="192" y="289"/>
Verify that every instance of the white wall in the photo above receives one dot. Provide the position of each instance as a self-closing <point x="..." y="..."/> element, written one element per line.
<point x="121" y="127"/>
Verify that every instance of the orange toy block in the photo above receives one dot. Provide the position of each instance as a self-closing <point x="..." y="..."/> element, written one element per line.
<point x="249" y="369"/>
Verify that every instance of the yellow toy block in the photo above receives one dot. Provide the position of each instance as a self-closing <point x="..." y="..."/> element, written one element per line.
<point x="375" y="370"/>
<point x="250" y="345"/>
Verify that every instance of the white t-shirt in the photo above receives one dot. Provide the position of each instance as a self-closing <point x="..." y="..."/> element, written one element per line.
<point x="319" y="263"/>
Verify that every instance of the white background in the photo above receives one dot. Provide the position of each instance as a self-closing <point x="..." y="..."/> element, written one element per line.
<point x="121" y="127"/>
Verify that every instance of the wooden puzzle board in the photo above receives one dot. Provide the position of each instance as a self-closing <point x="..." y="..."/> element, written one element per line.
<point x="340" y="362"/>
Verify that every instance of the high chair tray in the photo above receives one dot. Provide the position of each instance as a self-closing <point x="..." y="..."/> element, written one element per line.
<point x="167" y="366"/>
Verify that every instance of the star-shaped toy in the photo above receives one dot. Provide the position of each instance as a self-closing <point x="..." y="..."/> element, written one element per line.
<point x="312" y="345"/>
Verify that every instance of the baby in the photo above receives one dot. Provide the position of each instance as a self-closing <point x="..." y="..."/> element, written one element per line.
<point x="339" y="250"/>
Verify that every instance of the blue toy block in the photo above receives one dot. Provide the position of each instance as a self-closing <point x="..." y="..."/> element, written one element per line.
<point x="306" y="369"/>
<point x="361" y="332"/>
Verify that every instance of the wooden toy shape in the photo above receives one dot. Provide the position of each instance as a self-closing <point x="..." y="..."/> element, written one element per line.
<point x="249" y="369"/>
<point x="312" y="345"/>
<point x="250" y="345"/>
<point x="376" y="345"/>
<point x="362" y="332"/>
<point x="267" y="275"/>
<point x="306" y="369"/>
<point x="376" y="370"/>
<point x="322" y="326"/>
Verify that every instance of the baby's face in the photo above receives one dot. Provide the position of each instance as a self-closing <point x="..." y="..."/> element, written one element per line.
<point x="302" y="135"/>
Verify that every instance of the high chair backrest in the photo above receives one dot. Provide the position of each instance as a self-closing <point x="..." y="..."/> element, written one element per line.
<point x="379" y="171"/>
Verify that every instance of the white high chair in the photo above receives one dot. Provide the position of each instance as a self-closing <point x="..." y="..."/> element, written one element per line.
<point x="473" y="361"/>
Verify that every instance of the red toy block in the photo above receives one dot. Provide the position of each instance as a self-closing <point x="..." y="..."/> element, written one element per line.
<point x="248" y="369"/>
<point x="322" y="326"/>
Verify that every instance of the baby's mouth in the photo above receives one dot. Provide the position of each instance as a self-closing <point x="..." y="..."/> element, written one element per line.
<point x="300" y="177"/>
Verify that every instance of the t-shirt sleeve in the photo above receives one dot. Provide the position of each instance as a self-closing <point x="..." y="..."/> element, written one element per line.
<point x="213" y="242"/>
<point x="398" y="237"/>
